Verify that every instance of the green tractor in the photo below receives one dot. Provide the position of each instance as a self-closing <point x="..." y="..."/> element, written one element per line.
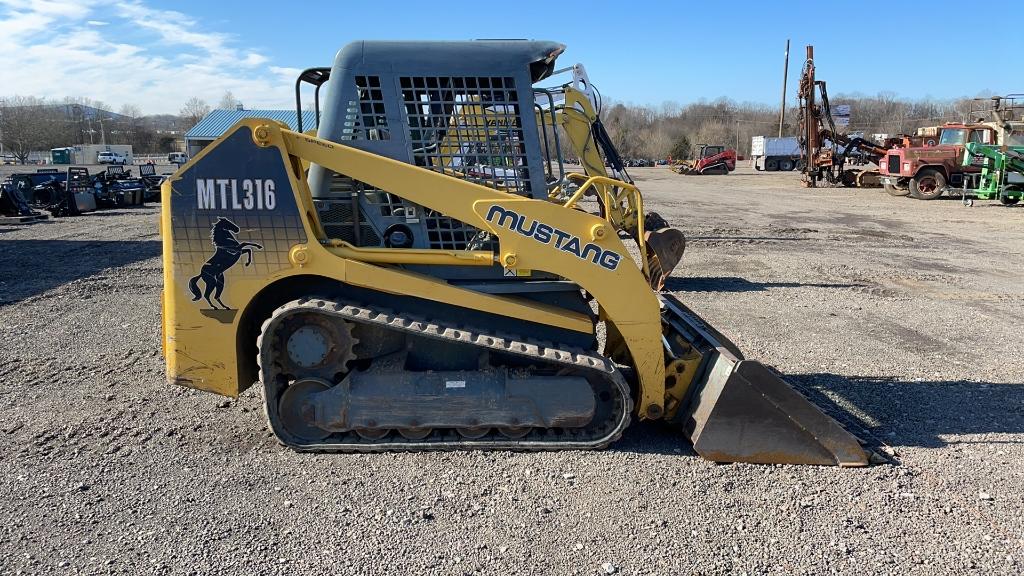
<point x="1002" y="173"/>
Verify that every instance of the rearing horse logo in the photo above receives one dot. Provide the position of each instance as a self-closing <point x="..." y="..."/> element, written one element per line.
<point x="228" y="251"/>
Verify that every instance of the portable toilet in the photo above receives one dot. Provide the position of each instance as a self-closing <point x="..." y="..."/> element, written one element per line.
<point x="60" y="156"/>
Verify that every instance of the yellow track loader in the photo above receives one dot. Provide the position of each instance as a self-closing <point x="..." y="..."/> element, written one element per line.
<point x="424" y="273"/>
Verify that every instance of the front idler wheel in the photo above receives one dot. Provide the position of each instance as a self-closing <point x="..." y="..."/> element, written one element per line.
<point x="297" y="410"/>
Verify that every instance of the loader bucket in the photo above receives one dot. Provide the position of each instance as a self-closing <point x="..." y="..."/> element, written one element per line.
<point x="665" y="249"/>
<point x="740" y="411"/>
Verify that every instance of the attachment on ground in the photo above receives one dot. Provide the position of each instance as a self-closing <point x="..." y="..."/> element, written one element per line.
<point x="740" y="411"/>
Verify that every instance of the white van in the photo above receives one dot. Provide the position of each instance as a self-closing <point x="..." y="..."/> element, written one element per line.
<point x="177" y="158"/>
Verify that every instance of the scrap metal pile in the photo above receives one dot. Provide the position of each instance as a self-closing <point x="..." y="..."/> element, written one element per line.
<point x="74" y="191"/>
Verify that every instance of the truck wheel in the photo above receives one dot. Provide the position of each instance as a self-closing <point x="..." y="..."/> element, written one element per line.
<point x="927" y="185"/>
<point x="1007" y="201"/>
<point x="786" y="165"/>
<point x="894" y="191"/>
<point x="771" y="165"/>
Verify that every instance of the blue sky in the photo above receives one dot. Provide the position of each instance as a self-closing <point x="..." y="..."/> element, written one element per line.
<point x="156" y="54"/>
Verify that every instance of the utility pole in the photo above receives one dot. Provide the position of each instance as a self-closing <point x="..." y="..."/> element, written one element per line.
<point x="785" y="76"/>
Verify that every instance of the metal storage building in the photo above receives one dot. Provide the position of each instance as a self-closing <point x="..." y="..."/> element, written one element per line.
<point x="217" y="122"/>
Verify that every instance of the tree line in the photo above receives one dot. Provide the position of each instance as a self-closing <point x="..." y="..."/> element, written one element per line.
<point x="30" y="124"/>
<point x="674" y="130"/>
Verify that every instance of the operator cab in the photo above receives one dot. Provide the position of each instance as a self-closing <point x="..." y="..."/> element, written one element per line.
<point x="709" y="151"/>
<point x="958" y="136"/>
<point x="466" y="109"/>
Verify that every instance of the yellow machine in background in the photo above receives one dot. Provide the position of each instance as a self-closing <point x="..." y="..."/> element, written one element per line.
<point x="433" y="282"/>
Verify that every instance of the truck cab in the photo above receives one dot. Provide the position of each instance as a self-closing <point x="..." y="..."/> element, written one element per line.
<point x="924" y="172"/>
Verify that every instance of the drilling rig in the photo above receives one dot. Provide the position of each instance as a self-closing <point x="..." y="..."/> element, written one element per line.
<point x="824" y="149"/>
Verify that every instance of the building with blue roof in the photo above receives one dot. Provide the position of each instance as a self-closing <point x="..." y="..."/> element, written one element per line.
<point x="217" y="122"/>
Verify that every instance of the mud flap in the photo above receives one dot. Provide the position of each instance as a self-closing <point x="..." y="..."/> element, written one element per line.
<point x="740" y="411"/>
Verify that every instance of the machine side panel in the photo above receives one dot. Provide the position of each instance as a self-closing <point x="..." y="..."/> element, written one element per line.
<point x="233" y="219"/>
<point x="234" y="222"/>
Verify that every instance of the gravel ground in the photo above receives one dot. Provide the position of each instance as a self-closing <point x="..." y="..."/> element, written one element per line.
<point x="906" y="314"/>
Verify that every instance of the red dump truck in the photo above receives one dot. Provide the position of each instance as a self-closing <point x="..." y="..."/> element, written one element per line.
<point x="925" y="171"/>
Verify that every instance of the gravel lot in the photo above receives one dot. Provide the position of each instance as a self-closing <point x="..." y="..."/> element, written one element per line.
<point x="907" y="314"/>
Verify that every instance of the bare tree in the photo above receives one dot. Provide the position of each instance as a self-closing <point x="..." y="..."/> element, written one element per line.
<point x="714" y="132"/>
<point x="28" y="124"/>
<point x="228" y="101"/>
<point x="79" y="128"/>
<point x="669" y="108"/>
<point x="132" y="129"/>
<point x="130" y="111"/>
<point x="656" y="144"/>
<point x="192" y="112"/>
<point x="670" y="129"/>
<point x="647" y="132"/>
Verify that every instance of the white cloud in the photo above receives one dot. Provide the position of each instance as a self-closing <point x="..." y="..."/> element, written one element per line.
<point x="254" y="59"/>
<point x="285" y="73"/>
<point x="156" y="59"/>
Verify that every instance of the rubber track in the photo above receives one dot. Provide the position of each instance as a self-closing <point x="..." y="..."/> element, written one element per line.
<point x="444" y="439"/>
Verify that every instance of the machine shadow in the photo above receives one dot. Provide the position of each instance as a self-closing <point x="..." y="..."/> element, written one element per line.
<point x="698" y="239"/>
<point x="150" y="207"/>
<point x="30" y="267"/>
<point x="918" y="413"/>
<point x="737" y="284"/>
<point x="653" y="438"/>
<point x="881" y="411"/>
